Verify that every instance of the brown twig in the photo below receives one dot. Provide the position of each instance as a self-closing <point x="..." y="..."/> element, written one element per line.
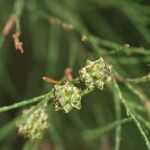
<point x="9" y="25"/>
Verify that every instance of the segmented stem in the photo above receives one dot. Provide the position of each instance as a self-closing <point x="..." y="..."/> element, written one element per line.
<point x="22" y="103"/>
<point x="131" y="113"/>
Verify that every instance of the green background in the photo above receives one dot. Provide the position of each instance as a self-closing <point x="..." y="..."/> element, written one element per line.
<point x="48" y="50"/>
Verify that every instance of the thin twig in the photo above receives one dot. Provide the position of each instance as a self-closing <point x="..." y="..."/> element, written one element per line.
<point x="22" y="103"/>
<point x="145" y="78"/>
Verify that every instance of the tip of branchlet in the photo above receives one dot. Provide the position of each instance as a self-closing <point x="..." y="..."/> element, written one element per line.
<point x="49" y="80"/>
<point x="17" y="43"/>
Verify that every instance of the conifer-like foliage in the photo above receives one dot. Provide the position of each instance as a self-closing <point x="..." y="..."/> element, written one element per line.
<point x="95" y="58"/>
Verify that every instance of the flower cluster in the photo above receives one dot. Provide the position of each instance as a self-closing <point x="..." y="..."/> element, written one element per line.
<point x="66" y="97"/>
<point x="34" y="125"/>
<point x="96" y="73"/>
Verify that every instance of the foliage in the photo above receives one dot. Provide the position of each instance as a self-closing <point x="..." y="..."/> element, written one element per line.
<point x="43" y="38"/>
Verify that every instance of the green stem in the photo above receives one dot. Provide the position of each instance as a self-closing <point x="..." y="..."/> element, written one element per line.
<point x="33" y="100"/>
<point x="118" y="117"/>
<point x="138" y="107"/>
<point x="145" y="78"/>
<point x="129" y="112"/>
<point x="18" y="8"/>
<point x="95" y="133"/>
<point x="137" y="92"/>
<point x="87" y="91"/>
<point x="117" y="48"/>
<point x="23" y="103"/>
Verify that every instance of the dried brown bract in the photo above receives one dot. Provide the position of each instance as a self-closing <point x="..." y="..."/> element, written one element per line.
<point x="68" y="74"/>
<point x="17" y="43"/>
<point x="49" y="80"/>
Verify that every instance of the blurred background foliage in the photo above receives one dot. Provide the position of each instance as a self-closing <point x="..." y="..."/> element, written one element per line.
<point x="100" y="28"/>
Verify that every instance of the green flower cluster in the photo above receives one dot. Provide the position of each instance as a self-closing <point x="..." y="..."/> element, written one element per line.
<point x="66" y="96"/>
<point x="96" y="73"/>
<point x="34" y="125"/>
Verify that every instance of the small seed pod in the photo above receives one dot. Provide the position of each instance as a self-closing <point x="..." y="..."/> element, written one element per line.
<point x="34" y="125"/>
<point x="66" y="96"/>
<point x="96" y="73"/>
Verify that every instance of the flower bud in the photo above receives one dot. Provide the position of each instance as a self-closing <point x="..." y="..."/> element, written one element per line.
<point x="66" y="96"/>
<point x="96" y="73"/>
<point x="34" y="125"/>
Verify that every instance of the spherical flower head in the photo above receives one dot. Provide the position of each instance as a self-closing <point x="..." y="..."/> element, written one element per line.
<point x="66" y="96"/>
<point x="96" y="73"/>
<point x="33" y="125"/>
